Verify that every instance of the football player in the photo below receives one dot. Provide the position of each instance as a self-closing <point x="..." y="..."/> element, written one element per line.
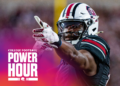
<point x="84" y="55"/>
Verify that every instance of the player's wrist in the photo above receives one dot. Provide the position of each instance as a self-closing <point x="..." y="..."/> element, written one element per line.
<point x="59" y="43"/>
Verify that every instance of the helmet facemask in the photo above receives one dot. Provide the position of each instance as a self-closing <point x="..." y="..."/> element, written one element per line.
<point x="71" y="30"/>
<point x="76" y="13"/>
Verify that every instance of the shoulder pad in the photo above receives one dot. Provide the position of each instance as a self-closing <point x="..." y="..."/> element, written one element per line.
<point x="96" y="46"/>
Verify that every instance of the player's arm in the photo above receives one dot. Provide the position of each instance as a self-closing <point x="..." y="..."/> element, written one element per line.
<point x="78" y="58"/>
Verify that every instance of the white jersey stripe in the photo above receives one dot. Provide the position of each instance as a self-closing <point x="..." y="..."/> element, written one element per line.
<point x="99" y="43"/>
<point x="95" y="47"/>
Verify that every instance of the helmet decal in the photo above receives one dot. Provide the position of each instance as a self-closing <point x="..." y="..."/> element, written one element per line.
<point x="91" y="11"/>
<point x="64" y="12"/>
<point x="68" y="10"/>
<point x="73" y="13"/>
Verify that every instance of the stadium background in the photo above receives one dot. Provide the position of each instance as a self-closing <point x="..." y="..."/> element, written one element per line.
<point x="17" y="22"/>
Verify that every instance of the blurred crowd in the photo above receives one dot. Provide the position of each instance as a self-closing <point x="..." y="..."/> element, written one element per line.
<point x="18" y="26"/>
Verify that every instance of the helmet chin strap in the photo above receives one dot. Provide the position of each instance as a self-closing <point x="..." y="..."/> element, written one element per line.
<point x="73" y="41"/>
<point x="76" y="41"/>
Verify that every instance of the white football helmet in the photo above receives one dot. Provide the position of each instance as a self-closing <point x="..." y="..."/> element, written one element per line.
<point x="78" y="13"/>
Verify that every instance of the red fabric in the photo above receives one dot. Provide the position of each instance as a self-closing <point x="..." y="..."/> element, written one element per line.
<point x="95" y="43"/>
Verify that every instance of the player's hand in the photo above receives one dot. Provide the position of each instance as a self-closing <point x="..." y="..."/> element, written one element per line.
<point x="45" y="33"/>
<point x="41" y="47"/>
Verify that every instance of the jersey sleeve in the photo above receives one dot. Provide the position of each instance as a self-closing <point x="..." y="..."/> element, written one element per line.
<point x="96" y="46"/>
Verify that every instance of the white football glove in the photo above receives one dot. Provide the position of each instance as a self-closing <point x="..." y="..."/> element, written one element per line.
<point x="46" y="34"/>
<point x="41" y="47"/>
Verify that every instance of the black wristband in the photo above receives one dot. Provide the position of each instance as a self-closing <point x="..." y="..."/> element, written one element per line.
<point x="59" y="43"/>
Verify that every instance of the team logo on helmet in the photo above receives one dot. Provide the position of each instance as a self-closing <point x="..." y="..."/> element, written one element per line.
<point x="91" y="11"/>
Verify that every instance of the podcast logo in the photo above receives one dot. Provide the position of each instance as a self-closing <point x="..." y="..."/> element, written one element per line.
<point x="22" y="65"/>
